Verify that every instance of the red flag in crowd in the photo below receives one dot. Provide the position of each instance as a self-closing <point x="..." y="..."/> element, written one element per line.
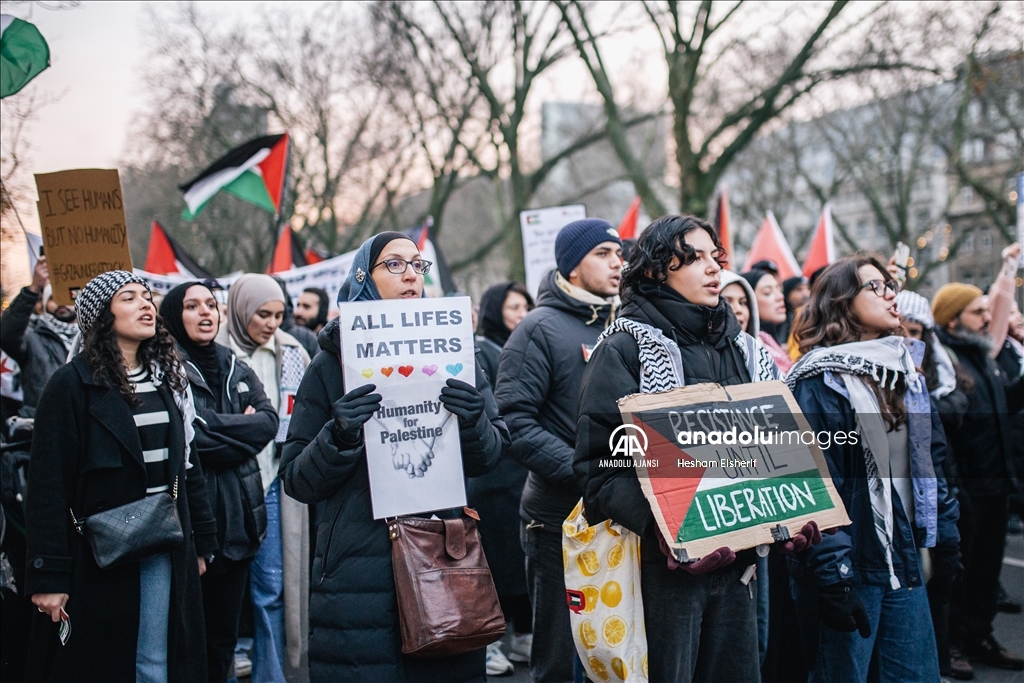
<point x="770" y="244"/>
<point x="723" y="220"/>
<point x="627" y="228"/>
<point x="288" y="253"/>
<point x="822" y="250"/>
<point x="166" y="257"/>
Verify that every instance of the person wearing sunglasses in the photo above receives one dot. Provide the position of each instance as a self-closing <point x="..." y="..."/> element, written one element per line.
<point x="354" y="628"/>
<point x="855" y="591"/>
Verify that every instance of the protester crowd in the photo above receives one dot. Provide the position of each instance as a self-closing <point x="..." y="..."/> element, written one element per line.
<point x="237" y="424"/>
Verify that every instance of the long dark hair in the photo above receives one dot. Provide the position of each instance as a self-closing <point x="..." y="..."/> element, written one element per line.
<point x="103" y="355"/>
<point x="827" y="319"/>
<point x="662" y="241"/>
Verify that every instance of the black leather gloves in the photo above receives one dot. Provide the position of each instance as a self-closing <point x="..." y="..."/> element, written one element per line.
<point x="463" y="400"/>
<point x="840" y="608"/>
<point x="351" y="412"/>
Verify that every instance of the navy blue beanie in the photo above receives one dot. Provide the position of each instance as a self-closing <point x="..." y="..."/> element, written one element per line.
<point x="575" y="241"/>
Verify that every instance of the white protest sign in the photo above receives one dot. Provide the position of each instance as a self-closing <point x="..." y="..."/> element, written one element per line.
<point x="540" y="228"/>
<point x="409" y="348"/>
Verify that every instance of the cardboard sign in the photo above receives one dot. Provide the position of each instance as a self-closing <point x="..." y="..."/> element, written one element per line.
<point x="82" y="216"/>
<point x="727" y="466"/>
<point x="540" y="228"/>
<point x="409" y="348"/>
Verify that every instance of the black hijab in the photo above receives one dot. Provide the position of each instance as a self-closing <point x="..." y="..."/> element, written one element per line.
<point x="204" y="357"/>
<point x="491" y="324"/>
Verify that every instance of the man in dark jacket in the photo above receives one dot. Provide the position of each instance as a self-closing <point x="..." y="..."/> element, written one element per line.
<point x="538" y="388"/>
<point x="700" y="618"/>
<point x="982" y="450"/>
<point x="41" y="350"/>
<point x="289" y="324"/>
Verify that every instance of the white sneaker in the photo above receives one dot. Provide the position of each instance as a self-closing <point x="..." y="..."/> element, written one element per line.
<point x="519" y="648"/>
<point x="497" y="662"/>
<point x="243" y="666"/>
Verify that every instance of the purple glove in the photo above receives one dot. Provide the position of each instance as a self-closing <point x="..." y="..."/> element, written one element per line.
<point x="722" y="557"/>
<point x="808" y="536"/>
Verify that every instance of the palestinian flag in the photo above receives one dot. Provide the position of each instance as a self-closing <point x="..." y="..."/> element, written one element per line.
<point x="288" y="254"/>
<point x="627" y="228"/>
<point x="167" y="257"/>
<point x="253" y="172"/>
<point x="24" y="54"/>
<point x="770" y="244"/>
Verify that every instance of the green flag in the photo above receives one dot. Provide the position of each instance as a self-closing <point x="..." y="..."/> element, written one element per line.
<point x="23" y="54"/>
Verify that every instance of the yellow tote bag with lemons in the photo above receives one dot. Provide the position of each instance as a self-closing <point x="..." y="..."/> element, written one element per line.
<point x="602" y="590"/>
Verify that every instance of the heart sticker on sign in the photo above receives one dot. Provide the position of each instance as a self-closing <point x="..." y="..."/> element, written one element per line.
<point x="367" y="373"/>
<point x="453" y="369"/>
<point x="429" y="370"/>
<point x="405" y="370"/>
<point x="387" y="371"/>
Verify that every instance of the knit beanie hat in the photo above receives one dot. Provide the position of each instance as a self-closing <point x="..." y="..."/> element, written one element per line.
<point x="575" y="241"/>
<point x="916" y="308"/>
<point x="951" y="300"/>
<point x="96" y="295"/>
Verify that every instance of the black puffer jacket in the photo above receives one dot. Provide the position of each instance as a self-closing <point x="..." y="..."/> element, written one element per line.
<point x="983" y="447"/>
<point x="227" y="442"/>
<point x="353" y="618"/>
<point x="39" y="351"/>
<point x="705" y="338"/>
<point x="538" y="388"/>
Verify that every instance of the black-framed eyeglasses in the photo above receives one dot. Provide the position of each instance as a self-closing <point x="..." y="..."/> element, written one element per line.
<point x="398" y="266"/>
<point x="880" y="287"/>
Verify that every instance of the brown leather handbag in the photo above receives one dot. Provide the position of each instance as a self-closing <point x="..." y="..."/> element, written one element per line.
<point x="447" y="603"/>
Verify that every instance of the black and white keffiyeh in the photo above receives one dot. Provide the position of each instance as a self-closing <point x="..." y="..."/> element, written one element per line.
<point x="661" y="365"/>
<point x="96" y="295"/>
<point x="885" y="360"/>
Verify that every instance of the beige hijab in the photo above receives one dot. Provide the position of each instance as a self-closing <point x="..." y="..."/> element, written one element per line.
<point x="245" y="297"/>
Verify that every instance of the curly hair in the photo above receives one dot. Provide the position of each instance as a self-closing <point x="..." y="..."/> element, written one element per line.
<point x="663" y="241"/>
<point x="103" y="354"/>
<point x="827" y="319"/>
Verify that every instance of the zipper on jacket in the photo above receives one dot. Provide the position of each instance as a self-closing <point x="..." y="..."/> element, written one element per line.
<point x="327" y="548"/>
<point x="227" y="382"/>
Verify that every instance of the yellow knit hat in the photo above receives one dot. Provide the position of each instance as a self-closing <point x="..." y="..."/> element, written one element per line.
<point x="951" y="300"/>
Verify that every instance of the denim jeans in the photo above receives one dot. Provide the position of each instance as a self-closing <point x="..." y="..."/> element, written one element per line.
<point x="902" y="639"/>
<point x="699" y="628"/>
<point x="266" y="584"/>
<point x="553" y="656"/>
<point x="154" y="613"/>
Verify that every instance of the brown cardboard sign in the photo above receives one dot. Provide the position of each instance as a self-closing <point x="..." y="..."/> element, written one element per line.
<point x="734" y="466"/>
<point x="82" y="216"/>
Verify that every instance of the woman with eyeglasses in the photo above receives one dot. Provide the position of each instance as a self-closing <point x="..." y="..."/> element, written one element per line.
<point x="860" y="592"/>
<point x="354" y="629"/>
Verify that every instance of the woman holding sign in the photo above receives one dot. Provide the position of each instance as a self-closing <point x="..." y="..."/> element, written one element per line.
<point x="855" y="591"/>
<point x="236" y="421"/>
<point x="353" y="610"/>
<point x="114" y="426"/>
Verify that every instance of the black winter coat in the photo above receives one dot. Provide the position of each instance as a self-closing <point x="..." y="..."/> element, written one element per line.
<point x="983" y="446"/>
<point x="39" y="352"/>
<point x="86" y="456"/>
<point x="538" y="389"/>
<point x="705" y="338"/>
<point x="354" y="634"/>
<point x="228" y="443"/>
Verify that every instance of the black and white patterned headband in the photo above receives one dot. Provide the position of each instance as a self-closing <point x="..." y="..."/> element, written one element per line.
<point x="97" y="293"/>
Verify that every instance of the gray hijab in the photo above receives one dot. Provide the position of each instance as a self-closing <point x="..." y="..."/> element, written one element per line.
<point x="245" y="297"/>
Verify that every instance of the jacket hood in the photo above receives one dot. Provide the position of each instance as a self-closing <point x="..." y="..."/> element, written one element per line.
<point x="727" y="278"/>
<point x="329" y="338"/>
<point x="551" y="295"/>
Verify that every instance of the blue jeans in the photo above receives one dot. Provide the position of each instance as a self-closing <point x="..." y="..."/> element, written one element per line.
<point x="154" y="612"/>
<point x="902" y="638"/>
<point x="266" y="584"/>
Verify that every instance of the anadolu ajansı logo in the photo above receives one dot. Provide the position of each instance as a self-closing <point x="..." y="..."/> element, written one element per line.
<point x="628" y="441"/>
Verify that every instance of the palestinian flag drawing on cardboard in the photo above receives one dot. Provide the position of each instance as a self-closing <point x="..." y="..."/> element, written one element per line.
<point x="706" y="494"/>
<point x="253" y="172"/>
